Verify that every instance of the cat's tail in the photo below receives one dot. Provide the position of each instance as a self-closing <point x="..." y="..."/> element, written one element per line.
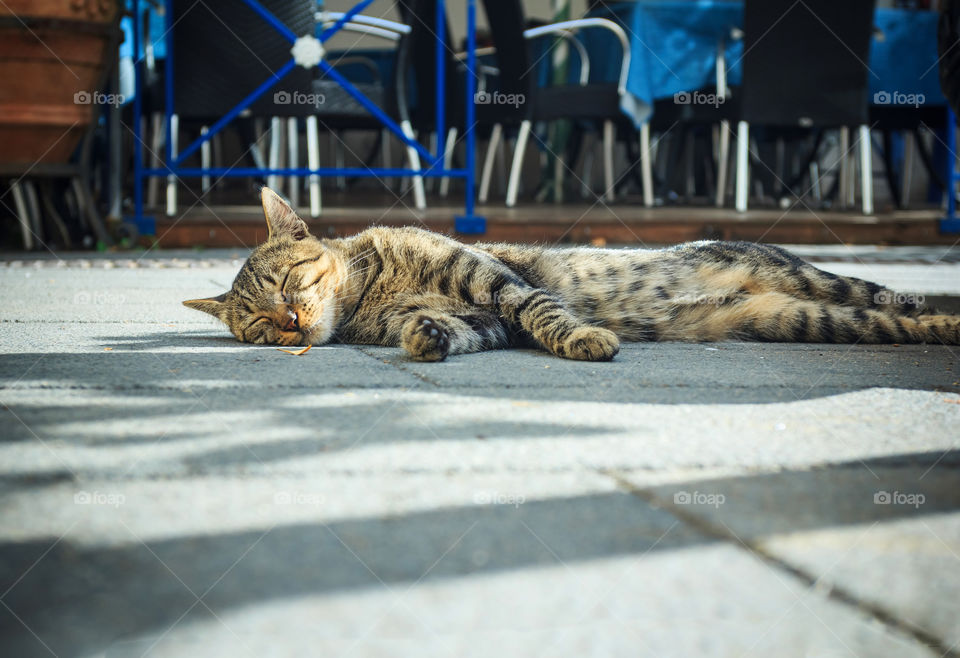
<point x="780" y="317"/>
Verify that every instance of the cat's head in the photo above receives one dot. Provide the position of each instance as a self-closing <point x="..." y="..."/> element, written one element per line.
<point x="286" y="292"/>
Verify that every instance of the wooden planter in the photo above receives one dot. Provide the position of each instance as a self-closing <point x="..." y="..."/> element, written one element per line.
<point x="54" y="55"/>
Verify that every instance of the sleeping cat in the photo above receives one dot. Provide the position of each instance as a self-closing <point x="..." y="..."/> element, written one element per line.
<point x="434" y="296"/>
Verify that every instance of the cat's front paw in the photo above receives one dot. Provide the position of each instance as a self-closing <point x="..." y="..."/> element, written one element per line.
<point x="426" y="339"/>
<point x="591" y="344"/>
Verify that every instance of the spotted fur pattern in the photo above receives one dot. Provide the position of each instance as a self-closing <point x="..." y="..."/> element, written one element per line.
<point x="435" y="296"/>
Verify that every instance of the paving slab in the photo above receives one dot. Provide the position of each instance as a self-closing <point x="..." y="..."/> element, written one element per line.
<point x="595" y="573"/>
<point x="167" y="491"/>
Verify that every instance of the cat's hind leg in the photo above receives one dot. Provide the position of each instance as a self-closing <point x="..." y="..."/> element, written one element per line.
<point x="752" y="268"/>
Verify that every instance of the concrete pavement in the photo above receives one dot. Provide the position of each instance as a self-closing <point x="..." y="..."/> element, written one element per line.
<point x="165" y="491"/>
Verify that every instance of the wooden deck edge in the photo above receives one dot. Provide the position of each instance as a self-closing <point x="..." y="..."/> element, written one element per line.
<point x="225" y="232"/>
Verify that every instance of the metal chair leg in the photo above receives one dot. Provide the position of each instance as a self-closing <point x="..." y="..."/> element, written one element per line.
<point x="495" y="134"/>
<point x="157" y="136"/>
<point x="171" y="179"/>
<point x="723" y="161"/>
<point x="256" y="152"/>
<point x="23" y="214"/>
<point x="646" y="169"/>
<point x="906" y="178"/>
<point x="866" y="170"/>
<point x="313" y="161"/>
<point x="815" y="181"/>
<point x="743" y="165"/>
<point x="339" y="158"/>
<point x="501" y="165"/>
<point x="419" y="195"/>
<point x="448" y="148"/>
<point x="385" y="156"/>
<point x="844" y="184"/>
<point x="116" y="173"/>
<point x="430" y="183"/>
<point x="51" y="211"/>
<point x="517" y="164"/>
<point x="86" y="205"/>
<point x="608" y="160"/>
<point x="276" y="145"/>
<point x="33" y="203"/>
<point x="589" y="149"/>
<point x="205" y="157"/>
<point x="293" y="160"/>
<point x="558" y="173"/>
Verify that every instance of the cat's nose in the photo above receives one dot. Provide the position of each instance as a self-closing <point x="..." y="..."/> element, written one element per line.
<point x="293" y="322"/>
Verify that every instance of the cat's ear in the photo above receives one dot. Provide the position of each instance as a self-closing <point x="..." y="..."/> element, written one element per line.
<point x="282" y="220"/>
<point x="212" y="305"/>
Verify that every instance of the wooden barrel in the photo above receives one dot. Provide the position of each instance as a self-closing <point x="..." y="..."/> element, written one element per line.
<point x="53" y="58"/>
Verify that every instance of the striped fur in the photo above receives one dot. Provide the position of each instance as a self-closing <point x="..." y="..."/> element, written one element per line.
<point x="435" y="296"/>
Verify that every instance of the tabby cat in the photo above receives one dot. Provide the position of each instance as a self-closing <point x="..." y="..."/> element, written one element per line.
<point x="434" y="296"/>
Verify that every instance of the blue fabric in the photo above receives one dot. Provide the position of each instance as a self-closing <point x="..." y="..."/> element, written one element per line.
<point x="157" y="30"/>
<point x="903" y="55"/>
<point x="674" y="49"/>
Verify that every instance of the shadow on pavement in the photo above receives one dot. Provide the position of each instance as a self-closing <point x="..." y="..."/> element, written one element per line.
<point x="82" y="598"/>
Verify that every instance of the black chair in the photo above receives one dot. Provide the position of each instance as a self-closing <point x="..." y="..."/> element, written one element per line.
<point x="415" y="88"/>
<point x="804" y="66"/>
<point x="223" y="50"/>
<point x="597" y="103"/>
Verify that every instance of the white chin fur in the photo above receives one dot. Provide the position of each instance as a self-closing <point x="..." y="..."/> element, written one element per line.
<point x="322" y="330"/>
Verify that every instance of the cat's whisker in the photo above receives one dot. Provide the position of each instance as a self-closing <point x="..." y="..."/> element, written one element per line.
<point x="360" y="256"/>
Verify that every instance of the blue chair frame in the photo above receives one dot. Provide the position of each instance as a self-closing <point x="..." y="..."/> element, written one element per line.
<point x="950" y="223"/>
<point x="469" y="222"/>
